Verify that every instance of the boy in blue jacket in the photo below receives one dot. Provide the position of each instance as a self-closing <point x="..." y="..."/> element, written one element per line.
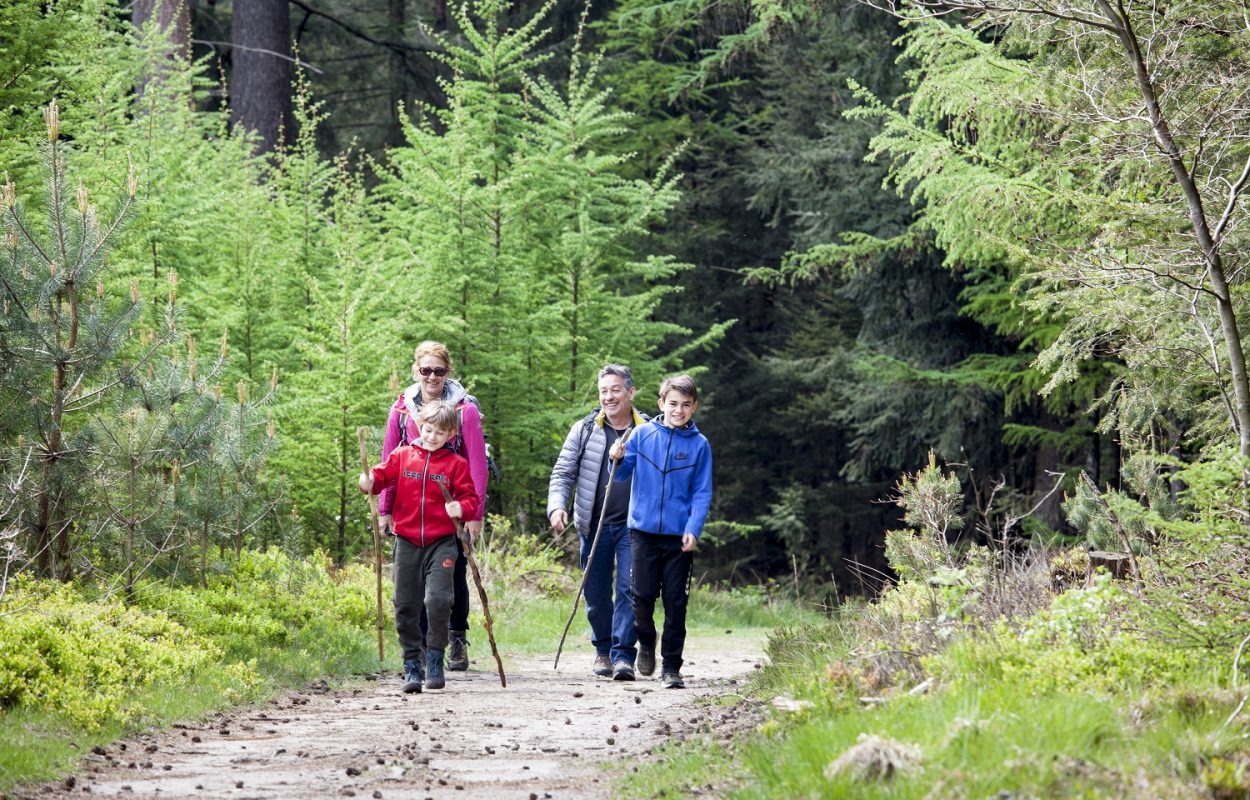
<point x="671" y="465"/>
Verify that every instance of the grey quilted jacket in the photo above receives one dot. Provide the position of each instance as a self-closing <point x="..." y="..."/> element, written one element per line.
<point x="566" y="474"/>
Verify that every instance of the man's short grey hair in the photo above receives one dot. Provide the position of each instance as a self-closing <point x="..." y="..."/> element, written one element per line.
<point x="619" y="370"/>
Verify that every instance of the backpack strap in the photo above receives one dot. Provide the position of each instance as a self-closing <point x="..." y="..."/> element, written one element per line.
<point x="588" y="427"/>
<point x="402" y="418"/>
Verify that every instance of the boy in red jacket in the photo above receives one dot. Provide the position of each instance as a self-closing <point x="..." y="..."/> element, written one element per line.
<point x="425" y="547"/>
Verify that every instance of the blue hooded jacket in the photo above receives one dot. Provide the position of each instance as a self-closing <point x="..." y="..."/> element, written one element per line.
<point x="672" y="471"/>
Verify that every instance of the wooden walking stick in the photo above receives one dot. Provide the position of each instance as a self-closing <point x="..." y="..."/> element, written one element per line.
<point x="489" y="623"/>
<point x="361" y="434"/>
<point x="594" y="543"/>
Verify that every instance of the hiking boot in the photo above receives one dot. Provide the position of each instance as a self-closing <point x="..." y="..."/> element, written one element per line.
<point x="458" y="652"/>
<point x="622" y="671"/>
<point x="603" y="666"/>
<point x="412" y="677"/>
<point x="672" y="680"/>
<point x="435" y="679"/>
<point x="646" y="661"/>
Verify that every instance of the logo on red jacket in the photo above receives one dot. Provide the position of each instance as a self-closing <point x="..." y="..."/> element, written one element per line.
<point x="448" y="563"/>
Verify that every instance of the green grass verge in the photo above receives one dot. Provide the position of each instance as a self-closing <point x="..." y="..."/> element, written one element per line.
<point x="530" y="625"/>
<point x="980" y="733"/>
<point x="991" y="741"/>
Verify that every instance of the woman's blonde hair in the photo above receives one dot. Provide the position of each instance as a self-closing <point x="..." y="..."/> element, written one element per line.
<point x="432" y="348"/>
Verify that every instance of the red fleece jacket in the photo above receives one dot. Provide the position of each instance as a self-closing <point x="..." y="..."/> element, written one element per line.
<point x="414" y="472"/>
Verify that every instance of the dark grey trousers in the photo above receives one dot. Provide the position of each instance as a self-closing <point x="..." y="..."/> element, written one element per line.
<point x="423" y="577"/>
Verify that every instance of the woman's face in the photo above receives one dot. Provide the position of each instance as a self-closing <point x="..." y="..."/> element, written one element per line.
<point x="427" y="371"/>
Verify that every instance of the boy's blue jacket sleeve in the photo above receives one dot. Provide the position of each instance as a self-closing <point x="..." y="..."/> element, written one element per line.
<point x="701" y="493"/>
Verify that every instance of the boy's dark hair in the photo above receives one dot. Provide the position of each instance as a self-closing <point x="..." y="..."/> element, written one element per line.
<point x="680" y="383"/>
<point x="619" y="370"/>
<point x="441" y="415"/>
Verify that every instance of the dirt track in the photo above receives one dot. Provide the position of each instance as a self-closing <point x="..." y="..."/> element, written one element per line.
<point x="549" y="734"/>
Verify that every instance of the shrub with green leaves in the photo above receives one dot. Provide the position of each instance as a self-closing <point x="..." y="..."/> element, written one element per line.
<point x="63" y="652"/>
<point x="1199" y="584"/>
<point x="520" y="560"/>
<point x="268" y="599"/>
<point x="1085" y="641"/>
<point x="89" y="658"/>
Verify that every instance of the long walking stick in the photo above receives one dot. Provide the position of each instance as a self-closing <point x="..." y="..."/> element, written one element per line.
<point x="361" y="434"/>
<point x="489" y="623"/>
<point x="590" y="559"/>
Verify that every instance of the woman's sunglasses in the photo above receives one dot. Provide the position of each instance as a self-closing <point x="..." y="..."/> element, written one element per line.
<point x="428" y="371"/>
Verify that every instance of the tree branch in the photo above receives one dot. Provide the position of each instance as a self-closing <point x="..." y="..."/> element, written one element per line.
<point x="403" y="48"/>
<point x="283" y="56"/>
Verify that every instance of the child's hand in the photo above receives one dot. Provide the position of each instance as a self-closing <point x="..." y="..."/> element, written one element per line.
<point x="688" y="542"/>
<point x="474" y="529"/>
<point x="366" y="482"/>
<point x="618" y="451"/>
<point x="384" y="521"/>
<point x="453" y="509"/>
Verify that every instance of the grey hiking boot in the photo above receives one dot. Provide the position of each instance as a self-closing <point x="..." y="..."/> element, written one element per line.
<point x="646" y="661"/>
<point x="603" y="666"/>
<point x="435" y="679"/>
<point x="672" y="680"/>
<point x="457" y="652"/>
<point x="413" y="675"/>
<point x="622" y="671"/>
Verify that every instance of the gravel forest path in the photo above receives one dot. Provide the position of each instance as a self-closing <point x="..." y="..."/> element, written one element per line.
<point x="550" y="734"/>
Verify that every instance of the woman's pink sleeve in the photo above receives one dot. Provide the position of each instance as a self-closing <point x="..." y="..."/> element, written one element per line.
<point x="475" y="454"/>
<point x="389" y="442"/>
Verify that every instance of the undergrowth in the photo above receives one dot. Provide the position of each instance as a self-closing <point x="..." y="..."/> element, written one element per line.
<point x="983" y="674"/>
<point x="79" y="667"/>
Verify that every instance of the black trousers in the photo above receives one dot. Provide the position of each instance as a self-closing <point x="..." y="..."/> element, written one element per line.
<point x="460" y="598"/>
<point x="661" y="569"/>
<point x="422" y="584"/>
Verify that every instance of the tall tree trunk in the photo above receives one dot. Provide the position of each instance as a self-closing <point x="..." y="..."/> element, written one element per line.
<point x="397" y="13"/>
<point x="173" y="19"/>
<point x="260" y="78"/>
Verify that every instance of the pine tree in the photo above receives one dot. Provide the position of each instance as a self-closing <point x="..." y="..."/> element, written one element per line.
<point x="60" y="335"/>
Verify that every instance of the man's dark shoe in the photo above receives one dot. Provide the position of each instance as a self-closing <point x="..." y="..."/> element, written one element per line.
<point x="413" y="675"/>
<point x="435" y="679"/>
<point x="622" y="671"/>
<point x="672" y="680"/>
<point x="458" y="652"/>
<point x="646" y="661"/>
<point x="603" y="666"/>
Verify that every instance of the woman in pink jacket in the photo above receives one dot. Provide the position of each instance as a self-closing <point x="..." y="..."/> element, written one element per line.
<point x="431" y="369"/>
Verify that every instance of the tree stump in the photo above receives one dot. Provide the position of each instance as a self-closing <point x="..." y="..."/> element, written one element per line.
<point x="1118" y="564"/>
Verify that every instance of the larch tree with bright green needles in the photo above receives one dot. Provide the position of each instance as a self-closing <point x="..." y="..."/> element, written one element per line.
<point x="521" y="243"/>
<point x="342" y="383"/>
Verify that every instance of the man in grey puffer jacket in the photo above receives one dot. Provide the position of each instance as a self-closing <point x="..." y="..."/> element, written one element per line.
<point x="583" y="465"/>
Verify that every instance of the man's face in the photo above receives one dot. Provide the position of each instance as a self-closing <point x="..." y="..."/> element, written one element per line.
<point x="433" y="438"/>
<point x="677" y="408"/>
<point x="613" y="396"/>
